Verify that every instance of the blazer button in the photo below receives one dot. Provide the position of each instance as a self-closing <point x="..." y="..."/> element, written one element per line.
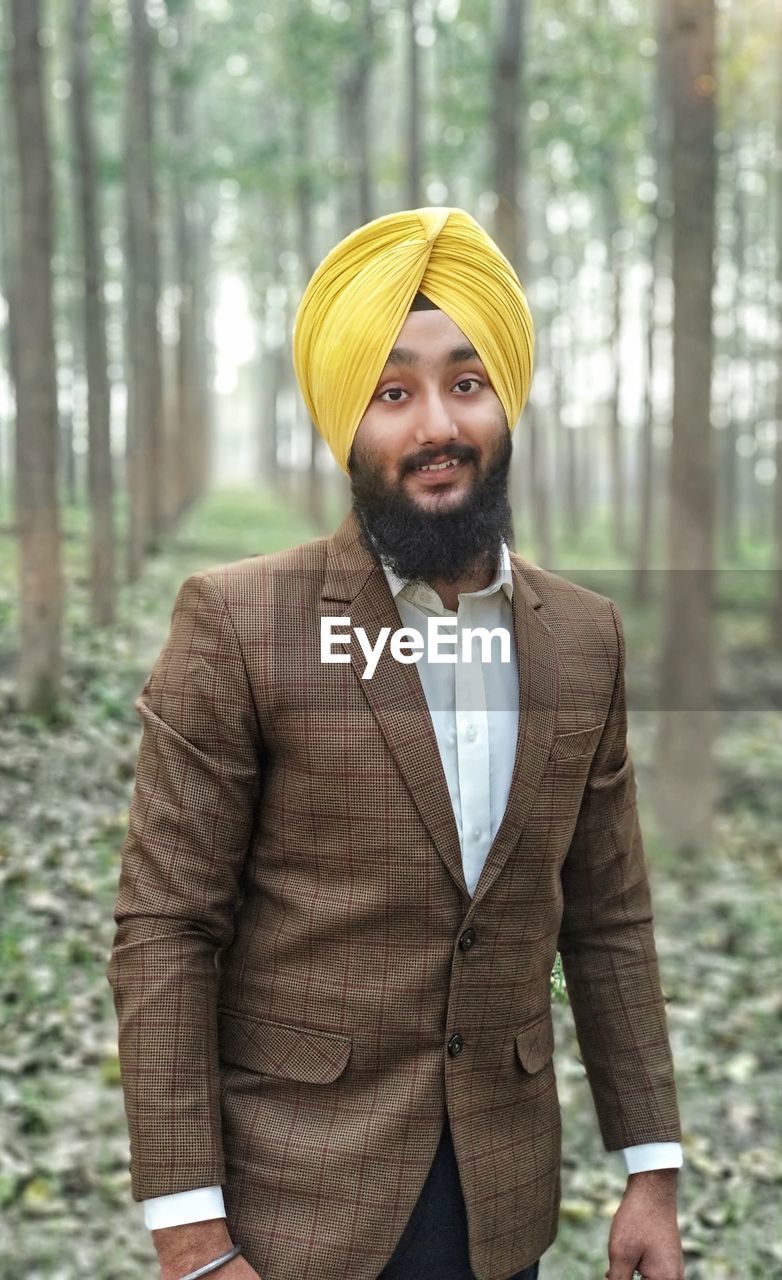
<point x="467" y="939"/>
<point x="455" y="1045"/>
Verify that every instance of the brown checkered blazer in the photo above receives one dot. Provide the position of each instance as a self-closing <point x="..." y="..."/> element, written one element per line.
<point x="290" y="961"/>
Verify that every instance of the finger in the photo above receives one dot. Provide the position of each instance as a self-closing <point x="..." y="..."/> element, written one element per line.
<point x="620" y="1269"/>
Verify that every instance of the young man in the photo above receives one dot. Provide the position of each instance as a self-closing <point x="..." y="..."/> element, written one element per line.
<point x="383" y="778"/>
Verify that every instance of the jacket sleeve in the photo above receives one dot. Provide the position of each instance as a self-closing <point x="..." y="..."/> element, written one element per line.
<point x="190" y="824"/>
<point x="608" y="950"/>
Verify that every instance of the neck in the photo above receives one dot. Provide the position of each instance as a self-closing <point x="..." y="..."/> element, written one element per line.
<point x="475" y="578"/>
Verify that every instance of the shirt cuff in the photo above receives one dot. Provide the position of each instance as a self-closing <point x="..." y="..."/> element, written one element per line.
<point x="653" y="1155"/>
<point x="184" y="1206"/>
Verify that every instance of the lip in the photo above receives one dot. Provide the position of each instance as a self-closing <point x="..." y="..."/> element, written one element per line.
<point x="437" y="478"/>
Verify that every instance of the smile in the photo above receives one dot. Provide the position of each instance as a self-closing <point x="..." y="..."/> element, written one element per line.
<point x="440" y="466"/>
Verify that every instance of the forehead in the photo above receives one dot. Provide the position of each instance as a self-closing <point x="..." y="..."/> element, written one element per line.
<point x="430" y="336"/>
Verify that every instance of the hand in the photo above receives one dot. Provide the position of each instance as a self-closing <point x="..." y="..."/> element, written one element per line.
<point x="644" y="1234"/>
<point x="185" y="1248"/>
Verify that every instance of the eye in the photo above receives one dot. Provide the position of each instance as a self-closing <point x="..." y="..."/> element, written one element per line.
<point x="398" y="392"/>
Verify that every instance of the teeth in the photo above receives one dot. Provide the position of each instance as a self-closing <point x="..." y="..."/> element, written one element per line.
<point x="440" y="466"/>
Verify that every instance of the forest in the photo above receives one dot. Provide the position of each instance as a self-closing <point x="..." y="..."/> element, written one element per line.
<point x="171" y="174"/>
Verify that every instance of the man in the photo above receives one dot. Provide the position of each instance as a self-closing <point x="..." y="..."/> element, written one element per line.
<point x="353" y="854"/>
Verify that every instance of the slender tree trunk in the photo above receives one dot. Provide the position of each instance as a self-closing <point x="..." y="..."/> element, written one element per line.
<point x="184" y="482"/>
<point x="413" y="148"/>
<point x="99" y="465"/>
<point x="684" y="759"/>
<point x="509" y="63"/>
<point x="68" y="482"/>
<point x="353" y="107"/>
<point x="266" y="414"/>
<point x="203" y="217"/>
<point x="304" y="203"/>
<point x="661" y="147"/>
<point x="144" y="375"/>
<point x="643" y="558"/>
<point x="618" y="470"/>
<point x="613" y="230"/>
<point x="9" y="217"/>
<point x="271" y="334"/>
<point x="37" y="512"/>
<point x="730" y="522"/>
<point x="777" y="495"/>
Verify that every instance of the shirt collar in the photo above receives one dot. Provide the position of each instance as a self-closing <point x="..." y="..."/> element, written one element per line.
<point x="502" y="581"/>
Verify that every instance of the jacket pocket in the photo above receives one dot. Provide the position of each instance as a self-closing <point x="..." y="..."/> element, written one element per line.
<point x="579" y="743"/>
<point x="535" y="1043"/>
<point x="281" y="1050"/>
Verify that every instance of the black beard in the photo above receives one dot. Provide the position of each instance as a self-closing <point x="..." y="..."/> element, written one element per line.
<point x="444" y="545"/>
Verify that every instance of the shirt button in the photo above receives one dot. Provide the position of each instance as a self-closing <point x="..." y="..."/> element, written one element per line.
<point x="476" y="833"/>
<point x="472" y="733"/>
<point x="455" y="1045"/>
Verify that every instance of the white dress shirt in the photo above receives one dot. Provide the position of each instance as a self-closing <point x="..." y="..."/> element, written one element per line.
<point x="474" y="708"/>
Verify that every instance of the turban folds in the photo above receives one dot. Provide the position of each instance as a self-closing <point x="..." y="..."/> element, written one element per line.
<point x="358" y="299"/>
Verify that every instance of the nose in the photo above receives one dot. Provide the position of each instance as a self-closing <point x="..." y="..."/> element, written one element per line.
<point x="435" y="424"/>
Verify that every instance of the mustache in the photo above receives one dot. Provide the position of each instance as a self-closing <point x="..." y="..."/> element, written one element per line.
<point x="459" y="452"/>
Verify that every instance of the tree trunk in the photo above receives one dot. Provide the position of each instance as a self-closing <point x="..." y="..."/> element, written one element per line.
<point x="509" y="65"/>
<point x="304" y="202"/>
<point x="144" y="374"/>
<point x="660" y="146"/>
<point x="353" y="106"/>
<point x="613" y="230"/>
<point x="99" y="466"/>
<point x="684" y="759"/>
<point x="777" y="495"/>
<point x="9" y="216"/>
<point x="184" y="482"/>
<point x="730" y="513"/>
<point x="37" y="512"/>
<point x="413" y="147"/>
<point x="509" y="155"/>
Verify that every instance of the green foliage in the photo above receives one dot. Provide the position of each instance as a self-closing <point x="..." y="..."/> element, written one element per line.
<point x="558" y="987"/>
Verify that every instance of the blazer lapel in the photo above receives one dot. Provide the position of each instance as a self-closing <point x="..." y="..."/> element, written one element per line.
<point x="354" y="577"/>
<point x="537" y="657"/>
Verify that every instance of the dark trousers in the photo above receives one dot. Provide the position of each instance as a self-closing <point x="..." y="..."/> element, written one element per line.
<point x="433" y="1245"/>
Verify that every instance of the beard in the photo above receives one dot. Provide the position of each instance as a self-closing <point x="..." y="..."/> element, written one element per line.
<point x="425" y="544"/>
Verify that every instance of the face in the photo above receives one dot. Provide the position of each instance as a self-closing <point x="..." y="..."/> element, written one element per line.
<point x="429" y="463"/>
<point x="433" y="405"/>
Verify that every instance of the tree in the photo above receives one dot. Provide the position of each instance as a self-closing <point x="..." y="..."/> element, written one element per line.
<point x="659" y="145"/>
<point x="510" y="224"/>
<point x="413" y="118"/>
<point x="777" y="601"/>
<point x="353" y="104"/>
<point x="100" y="479"/>
<point x="186" y="456"/>
<point x="685" y="770"/>
<point x="37" y="510"/>
<point x="144" y="374"/>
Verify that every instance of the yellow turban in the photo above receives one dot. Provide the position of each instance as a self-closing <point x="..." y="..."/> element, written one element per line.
<point x="359" y="297"/>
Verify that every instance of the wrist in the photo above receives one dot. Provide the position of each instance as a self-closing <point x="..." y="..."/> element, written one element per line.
<point x="660" y="1183"/>
<point x="184" y="1248"/>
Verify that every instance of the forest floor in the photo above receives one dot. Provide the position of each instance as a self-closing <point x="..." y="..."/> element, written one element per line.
<point x="65" y="1199"/>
